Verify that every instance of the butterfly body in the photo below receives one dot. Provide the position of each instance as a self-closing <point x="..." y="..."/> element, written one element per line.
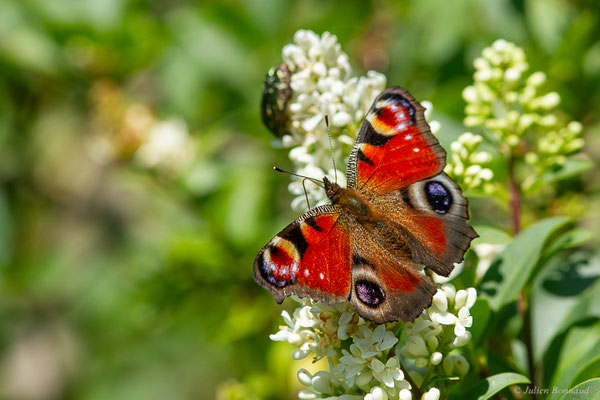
<point x="399" y="211"/>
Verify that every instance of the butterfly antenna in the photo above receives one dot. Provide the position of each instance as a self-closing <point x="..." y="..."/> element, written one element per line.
<point x="331" y="147"/>
<point x="313" y="180"/>
<point x="305" y="193"/>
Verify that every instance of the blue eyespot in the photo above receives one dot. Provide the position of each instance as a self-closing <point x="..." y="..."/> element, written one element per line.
<point x="369" y="293"/>
<point x="438" y="197"/>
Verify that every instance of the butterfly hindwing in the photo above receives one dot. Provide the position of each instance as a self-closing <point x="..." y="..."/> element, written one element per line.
<point x="431" y="216"/>
<point x="386" y="285"/>
<point x="394" y="146"/>
<point x="310" y="257"/>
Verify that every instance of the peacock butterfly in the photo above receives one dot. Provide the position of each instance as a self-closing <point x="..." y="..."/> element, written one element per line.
<point x="399" y="210"/>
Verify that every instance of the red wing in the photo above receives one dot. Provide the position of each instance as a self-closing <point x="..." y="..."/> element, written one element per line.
<point x="310" y="257"/>
<point x="394" y="147"/>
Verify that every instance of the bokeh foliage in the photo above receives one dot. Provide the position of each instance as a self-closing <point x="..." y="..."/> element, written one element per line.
<point x="118" y="281"/>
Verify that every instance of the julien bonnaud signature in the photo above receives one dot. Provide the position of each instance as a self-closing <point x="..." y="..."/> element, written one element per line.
<point x="555" y="390"/>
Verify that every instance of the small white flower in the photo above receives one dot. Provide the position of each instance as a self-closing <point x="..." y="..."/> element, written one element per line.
<point x="389" y="373"/>
<point x="376" y="393"/>
<point x="432" y="394"/>
<point x="463" y="321"/>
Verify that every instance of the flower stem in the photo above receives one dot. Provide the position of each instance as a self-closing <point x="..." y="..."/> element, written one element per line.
<point x="515" y="196"/>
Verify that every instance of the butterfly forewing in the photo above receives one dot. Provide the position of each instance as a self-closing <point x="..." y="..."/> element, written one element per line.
<point x="394" y="146"/>
<point x="310" y="257"/>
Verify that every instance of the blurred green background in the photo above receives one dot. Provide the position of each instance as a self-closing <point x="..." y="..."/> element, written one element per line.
<point x="126" y="269"/>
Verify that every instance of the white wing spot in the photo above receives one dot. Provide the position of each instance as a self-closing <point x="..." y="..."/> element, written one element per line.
<point x="284" y="271"/>
<point x="321" y="275"/>
<point x="306" y="272"/>
<point x="408" y="137"/>
<point x="401" y="115"/>
<point x="416" y="150"/>
<point x="272" y="267"/>
<point x="401" y="126"/>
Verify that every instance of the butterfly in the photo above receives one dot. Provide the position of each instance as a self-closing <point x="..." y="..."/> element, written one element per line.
<point x="398" y="212"/>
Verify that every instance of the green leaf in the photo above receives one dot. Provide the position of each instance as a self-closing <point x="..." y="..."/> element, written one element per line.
<point x="481" y="313"/>
<point x="590" y="370"/>
<point x="588" y="390"/>
<point x="565" y="292"/>
<point x="512" y="268"/>
<point x="580" y="346"/>
<point x="568" y="240"/>
<point x="491" y="235"/>
<point x="493" y="384"/>
<point x="587" y="306"/>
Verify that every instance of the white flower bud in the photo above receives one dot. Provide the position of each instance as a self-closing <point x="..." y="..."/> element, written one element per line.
<point x="575" y="127"/>
<point x="473" y="170"/>
<point x="440" y="301"/>
<point x="461" y="297"/>
<point x="481" y="157"/>
<point x="574" y="145"/>
<point x="470" y="94"/>
<point x="405" y="394"/>
<point x="436" y="358"/>
<point x="304" y="377"/>
<point x="500" y="45"/>
<point x="550" y="100"/>
<point x="432" y="394"/>
<point x="376" y="394"/>
<point x="298" y="354"/>
<point x="483" y="75"/>
<point x="480" y="63"/>
<point x="473" y="120"/>
<point x="307" y="395"/>
<point x="536" y="79"/>
<point x="432" y="341"/>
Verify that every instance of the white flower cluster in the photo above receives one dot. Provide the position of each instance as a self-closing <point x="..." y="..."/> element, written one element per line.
<point x="439" y="330"/>
<point x="125" y="129"/>
<point x="365" y="359"/>
<point x="168" y="147"/>
<point x="467" y="166"/>
<point x="511" y="104"/>
<point x="321" y="84"/>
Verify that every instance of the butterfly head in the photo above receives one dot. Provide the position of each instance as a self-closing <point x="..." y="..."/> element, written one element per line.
<point x="331" y="189"/>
